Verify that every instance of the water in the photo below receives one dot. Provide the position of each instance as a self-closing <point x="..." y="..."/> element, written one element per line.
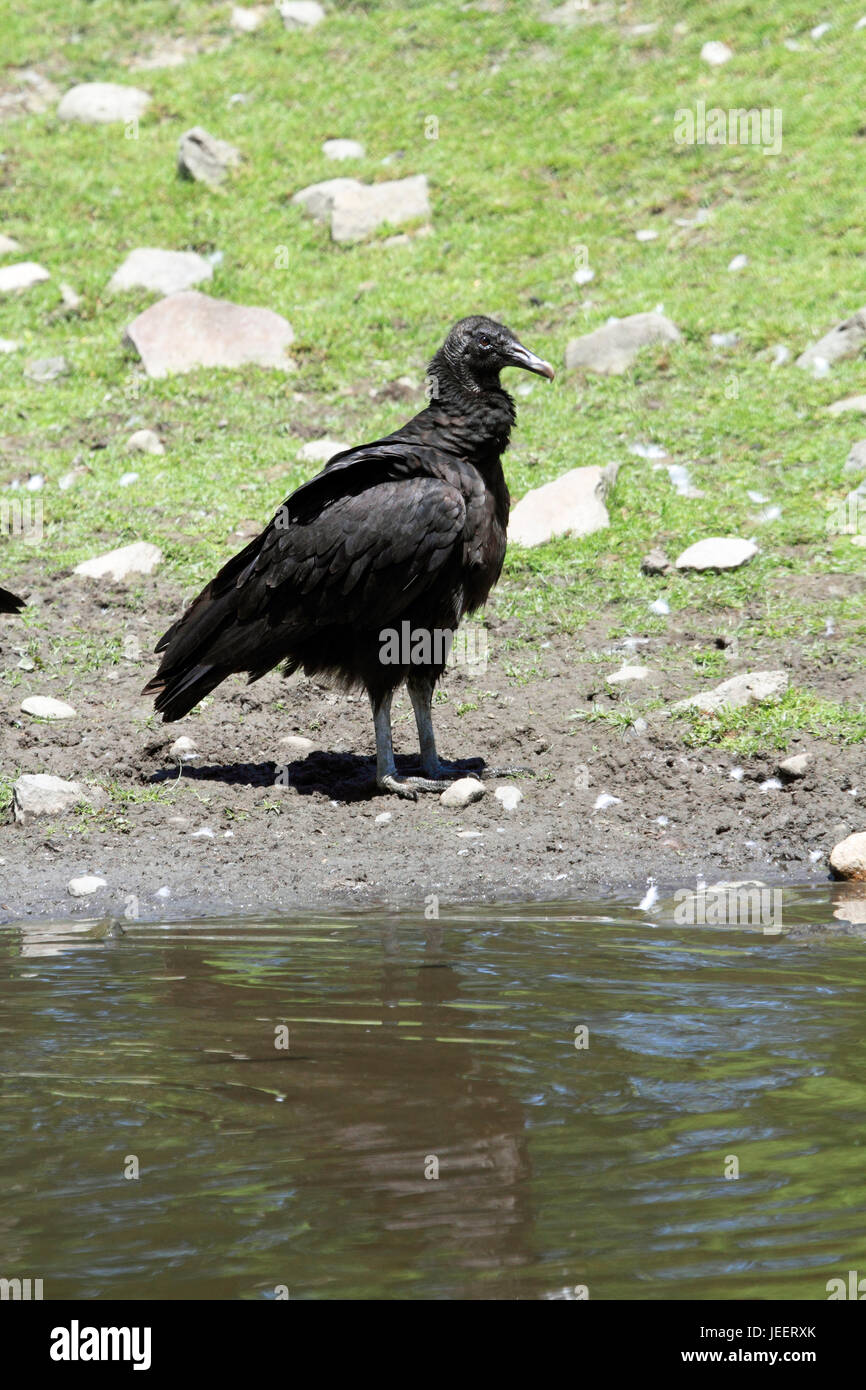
<point x="416" y="1042"/>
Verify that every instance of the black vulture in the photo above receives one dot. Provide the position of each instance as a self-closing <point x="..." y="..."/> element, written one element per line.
<point x="9" y="603"/>
<point x="410" y="529"/>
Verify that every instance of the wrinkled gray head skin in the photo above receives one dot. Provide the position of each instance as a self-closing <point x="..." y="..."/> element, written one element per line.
<point x="478" y="348"/>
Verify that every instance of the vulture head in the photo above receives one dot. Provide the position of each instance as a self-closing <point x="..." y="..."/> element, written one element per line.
<point x="478" y="348"/>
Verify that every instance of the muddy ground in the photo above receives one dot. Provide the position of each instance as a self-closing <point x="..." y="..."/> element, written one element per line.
<point x="316" y="841"/>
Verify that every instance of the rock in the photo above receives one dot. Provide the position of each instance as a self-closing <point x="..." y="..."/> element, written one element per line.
<point x="183" y="749"/>
<point x="8" y="245"/>
<point x="127" y="479"/>
<point x="856" y="460"/>
<point x="300" y="14"/>
<point x="781" y="355"/>
<point x="189" y="330"/>
<point x="38" y="794"/>
<point x="510" y="797"/>
<point x="165" y="272"/>
<point x="848" y="858"/>
<point x="847" y="339"/>
<point x="850" y="403"/>
<point x="660" y="606"/>
<point x="320" y="450"/>
<point x="604" y="799"/>
<point x="47" y="369"/>
<point x="100" y="103"/>
<point x="69" y="300"/>
<point x="203" y="157"/>
<point x="796" y="767"/>
<point x="85" y="885"/>
<point x="612" y="349"/>
<point x="9" y="345"/>
<point x="717" y="553"/>
<point x="646" y="234"/>
<point x="626" y="674"/>
<point x="343" y="149"/>
<point x="716" y="53"/>
<point x="462" y="793"/>
<point x="294" y="743"/>
<point x="752" y="688"/>
<point x="43" y="707"/>
<point x="570" y="505"/>
<point x="383" y="818"/>
<point x="21" y="276"/>
<point x="247" y="19"/>
<point x="358" y="211"/>
<point x="144" y="442"/>
<point x="656" y="562"/>
<point x="738" y="262"/>
<point x="317" y="200"/>
<point x="117" y="565"/>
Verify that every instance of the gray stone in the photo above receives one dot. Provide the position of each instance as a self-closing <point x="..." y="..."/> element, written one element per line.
<point x="47" y="369"/>
<point x="751" y="688"/>
<point x="297" y="744"/>
<point x="38" y="794"/>
<point x="795" y="767"/>
<point x="343" y="149"/>
<point x="510" y="797"/>
<point x="850" y="404"/>
<point x="138" y="558"/>
<point x="246" y="19"/>
<point x="358" y="211"/>
<point x="320" y="450"/>
<point x="570" y="505"/>
<point x="847" y="339"/>
<point x="300" y="14"/>
<point x="716" y="53"/>
<point x="183" y="750"/>
<point x="85" y="885"/>
<point x="8" y="245"/>
<point x="21" y="276"/>
<point x="848" y="858"/>
<point x="317" y="200"/>
<point x="612" y="349"/>
<point x="626" y="675"/>
<point x="717" y="553"/>
<point x="189" y="330"/>
<point x="144" y="442"/>
<point x="856" y="460"/>
<point x="462" y="793"/>
<point x="203" y="157"/>
<point x="100" y="103"/>
<point x="165" y="272"/>
<point x="44" y="707"/>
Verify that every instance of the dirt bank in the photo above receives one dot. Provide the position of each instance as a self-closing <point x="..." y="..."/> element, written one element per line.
<point x="316" y="841"/>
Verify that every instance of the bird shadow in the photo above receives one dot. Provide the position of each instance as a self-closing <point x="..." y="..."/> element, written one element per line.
<point x="339" y="776"/>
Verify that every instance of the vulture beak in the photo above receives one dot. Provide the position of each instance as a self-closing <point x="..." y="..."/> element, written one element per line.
<point x="522" y="357"/>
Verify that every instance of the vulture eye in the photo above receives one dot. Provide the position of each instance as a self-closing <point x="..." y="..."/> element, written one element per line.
<point x="484" y="341"/>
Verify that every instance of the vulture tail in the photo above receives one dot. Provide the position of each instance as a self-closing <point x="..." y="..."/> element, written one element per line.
<point x="9" y="603"/>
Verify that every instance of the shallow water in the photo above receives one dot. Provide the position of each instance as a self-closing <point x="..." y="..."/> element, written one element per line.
<point x="415" y="1042"/>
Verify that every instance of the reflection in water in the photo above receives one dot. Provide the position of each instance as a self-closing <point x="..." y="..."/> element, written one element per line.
<point x="435" y="1126"/>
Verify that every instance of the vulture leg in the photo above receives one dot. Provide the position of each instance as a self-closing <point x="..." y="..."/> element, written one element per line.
<point x="386" y="769"/>
<point x="421" y="689"/>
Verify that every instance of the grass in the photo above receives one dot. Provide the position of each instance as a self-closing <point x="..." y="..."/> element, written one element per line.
<point x="549" y="140"/>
